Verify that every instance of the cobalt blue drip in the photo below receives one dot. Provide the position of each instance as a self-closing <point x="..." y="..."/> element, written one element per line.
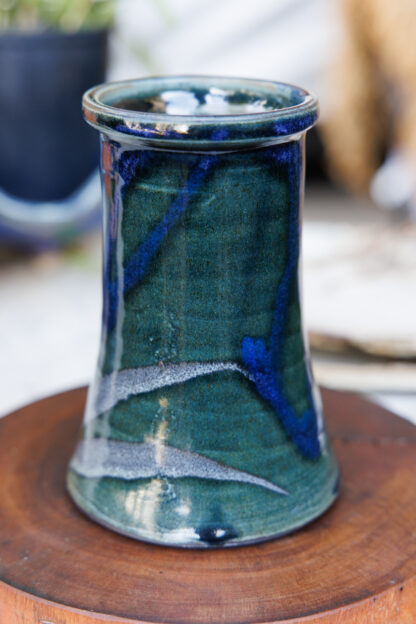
<point x="293" y="125"/>
<point x="302" y="430"/>
<point x="220" y="134"/>
<point x="263" y="363"/>
<point x="128" y="162"/>
<point x="137" y="266"/>
<point x="289" y="156"/>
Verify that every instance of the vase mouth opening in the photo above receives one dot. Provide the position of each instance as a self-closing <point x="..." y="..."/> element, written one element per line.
<point x="203" y="109"/>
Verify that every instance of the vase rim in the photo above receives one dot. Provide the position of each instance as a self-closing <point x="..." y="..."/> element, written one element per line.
<point x="201" y="111"/>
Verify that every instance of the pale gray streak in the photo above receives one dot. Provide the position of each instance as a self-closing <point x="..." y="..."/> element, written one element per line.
<point x="98" y="458"/>
<point x="120" y="385"/>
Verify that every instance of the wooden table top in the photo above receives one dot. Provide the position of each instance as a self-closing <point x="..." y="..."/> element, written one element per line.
<point x="356" y="564"/>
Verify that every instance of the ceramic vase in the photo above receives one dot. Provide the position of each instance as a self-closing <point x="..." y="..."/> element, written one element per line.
<point x="203" y="426"/>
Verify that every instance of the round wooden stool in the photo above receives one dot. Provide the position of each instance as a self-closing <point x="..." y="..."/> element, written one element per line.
<point x="355" y="565"/>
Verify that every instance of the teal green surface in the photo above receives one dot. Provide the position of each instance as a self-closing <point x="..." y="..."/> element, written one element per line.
<point x="212" y="282"/>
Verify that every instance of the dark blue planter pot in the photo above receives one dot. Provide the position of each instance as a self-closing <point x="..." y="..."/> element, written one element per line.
<point x="203" y="425"/>
<point x="47" y="151"/>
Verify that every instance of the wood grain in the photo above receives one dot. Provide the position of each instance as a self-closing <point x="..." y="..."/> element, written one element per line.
<point x="356" y="564"/>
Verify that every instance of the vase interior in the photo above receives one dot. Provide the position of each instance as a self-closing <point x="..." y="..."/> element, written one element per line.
<point x="204" y="97"/>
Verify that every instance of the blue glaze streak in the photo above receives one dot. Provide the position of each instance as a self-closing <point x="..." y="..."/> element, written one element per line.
<point x="293" y="125"/>
<point x="264" y="364"/>
<point x="128" y="164"/>
<point x="137" y="265"/>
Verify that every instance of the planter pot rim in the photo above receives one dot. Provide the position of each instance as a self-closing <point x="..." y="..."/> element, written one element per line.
<point x="33" y="39"/>
<point x="203" y="112"/>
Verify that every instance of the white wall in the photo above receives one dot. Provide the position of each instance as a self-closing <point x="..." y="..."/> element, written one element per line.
<point x="288" y="40"/>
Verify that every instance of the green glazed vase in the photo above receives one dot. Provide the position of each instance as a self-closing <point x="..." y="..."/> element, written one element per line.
<point x="203" y="426"/>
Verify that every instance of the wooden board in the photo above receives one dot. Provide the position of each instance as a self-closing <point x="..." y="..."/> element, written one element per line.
<point x="356" y="564"/>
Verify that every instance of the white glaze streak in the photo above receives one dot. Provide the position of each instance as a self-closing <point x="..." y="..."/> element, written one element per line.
<point x="98" y="458"/>
<point x="120" y="385"/>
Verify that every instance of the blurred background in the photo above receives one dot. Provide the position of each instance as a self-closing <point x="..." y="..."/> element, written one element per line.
<point x="359" y="245"/>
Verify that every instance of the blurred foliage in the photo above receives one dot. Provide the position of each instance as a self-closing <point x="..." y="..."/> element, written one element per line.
<point x="64" y="15"/>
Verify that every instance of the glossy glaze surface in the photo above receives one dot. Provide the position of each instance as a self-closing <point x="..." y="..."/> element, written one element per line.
<point x="203" y="426"/>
